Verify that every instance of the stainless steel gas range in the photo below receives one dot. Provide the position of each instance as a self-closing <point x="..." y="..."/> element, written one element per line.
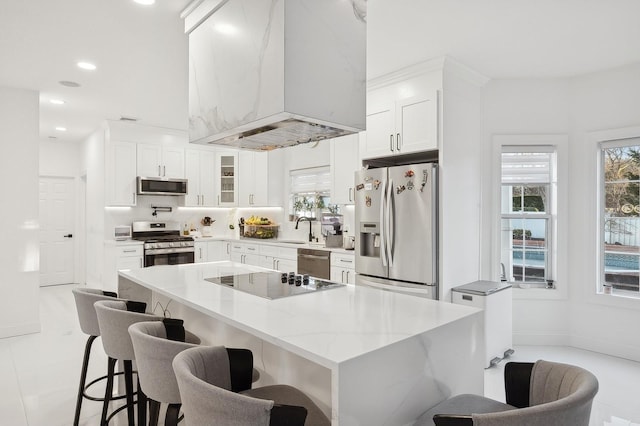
<point x="163" y="243"/>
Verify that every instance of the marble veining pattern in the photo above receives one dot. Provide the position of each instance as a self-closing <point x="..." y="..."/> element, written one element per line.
<point x="253" y="63"/>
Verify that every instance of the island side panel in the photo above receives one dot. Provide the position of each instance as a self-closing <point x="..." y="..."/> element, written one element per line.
<point x="394" y="385"/>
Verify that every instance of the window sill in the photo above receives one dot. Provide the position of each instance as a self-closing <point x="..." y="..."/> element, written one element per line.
<point x="538" y="293"/>
<point x="615" y="300"/>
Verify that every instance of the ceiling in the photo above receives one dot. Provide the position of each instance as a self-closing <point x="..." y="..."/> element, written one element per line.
<point x="142" y="60"/>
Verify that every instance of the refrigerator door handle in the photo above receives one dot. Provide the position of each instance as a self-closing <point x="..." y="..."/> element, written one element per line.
<point x="383" y="247"/>
<point x="389" y="218"/>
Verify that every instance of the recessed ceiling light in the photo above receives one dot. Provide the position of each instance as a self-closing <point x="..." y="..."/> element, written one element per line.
<point x="86" y="65"/>
<point x="56" y="101"/>
<point x="145" y="2"/>
<point x="61" y="129"/>
<point x="69" y="83"/>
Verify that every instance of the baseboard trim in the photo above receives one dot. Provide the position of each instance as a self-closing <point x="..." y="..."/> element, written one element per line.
<point x="19" y="330"/>
<point x="541" y="339"/>
<point x="606" y="347"/>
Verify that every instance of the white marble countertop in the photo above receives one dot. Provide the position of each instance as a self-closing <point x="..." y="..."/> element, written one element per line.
<point x="328" y="327"/>
<point x="275" y="242"/>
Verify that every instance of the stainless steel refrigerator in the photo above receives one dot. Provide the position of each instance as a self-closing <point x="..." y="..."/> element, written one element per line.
<point x="396" y="218"/>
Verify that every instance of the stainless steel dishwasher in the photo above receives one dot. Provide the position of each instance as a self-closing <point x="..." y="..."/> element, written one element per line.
<point x="316" y="263"/>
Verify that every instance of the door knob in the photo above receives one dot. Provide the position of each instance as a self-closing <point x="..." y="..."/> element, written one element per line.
<point x="69" y="236"/>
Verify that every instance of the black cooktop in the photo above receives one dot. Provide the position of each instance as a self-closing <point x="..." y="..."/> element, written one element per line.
<point x="274" y="285"/>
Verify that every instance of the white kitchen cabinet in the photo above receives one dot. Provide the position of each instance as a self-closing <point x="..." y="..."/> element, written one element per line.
<point x="200" y="171"/>
<point x="227" y="178"/>
<point x="247" y="253"/>
<point x="283" y="259"/>
<point x="344" y="163"/>
<point x="160" y="161"/>
<point x="400" y="125"/>
<point x="216" y="251"/>
<point x="201" y="252"/>
<point x="253" y="178"/>
<point x="121" y="255"/>
<point x="343" y="268"/>
<point x="120" y="174"/>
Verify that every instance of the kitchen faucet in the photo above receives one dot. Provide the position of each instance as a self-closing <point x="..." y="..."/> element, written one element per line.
<point x="309" y="220"/>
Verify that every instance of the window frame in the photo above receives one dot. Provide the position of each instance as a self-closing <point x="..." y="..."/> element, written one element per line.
<point x="560" y="255"/>
<point x="601" y="205"/>
<point x="548" y="216"/>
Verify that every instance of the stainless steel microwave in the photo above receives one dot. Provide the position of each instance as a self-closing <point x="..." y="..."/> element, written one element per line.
<point x="161" y="186"/>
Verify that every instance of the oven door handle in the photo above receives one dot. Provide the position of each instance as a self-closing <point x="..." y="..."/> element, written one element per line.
<point x="170" y="251"/>
<point x="313" y="256"/>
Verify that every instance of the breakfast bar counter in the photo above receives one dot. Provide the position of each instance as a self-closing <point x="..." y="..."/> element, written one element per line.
<point x="366" y="356"/>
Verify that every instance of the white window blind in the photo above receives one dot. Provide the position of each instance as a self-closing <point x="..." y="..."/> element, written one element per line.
<point x="522" y="167"/>
<point x="313" y="180"/>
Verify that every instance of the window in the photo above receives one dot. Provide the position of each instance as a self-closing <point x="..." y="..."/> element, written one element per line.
<point x="528" y="182"/>
<point x="310" y="189"/>
<point x="620" y="217"/>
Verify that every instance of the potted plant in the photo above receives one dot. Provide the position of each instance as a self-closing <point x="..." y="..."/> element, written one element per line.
<point x="206" y="226"/>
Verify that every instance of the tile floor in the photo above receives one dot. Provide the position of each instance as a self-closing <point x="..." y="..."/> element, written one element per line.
<point x="39" y="373"/>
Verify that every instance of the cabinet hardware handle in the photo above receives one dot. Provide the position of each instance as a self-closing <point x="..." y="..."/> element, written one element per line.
<point x="218" y="200"/>
<point x="200" y="248"/>
<point x="347" y="282"/>
<point x="228" y="247"/>
<point x="398" y="141"/>
<point x="141" y="265"/>
<point x="350" y="190"/>
<point x="391" y="142"/>
<point x="346" y="261"/>
<point x="202" y="199"/>
<point x="128" y="251"/>
<point x="159" y="172"/>
<point x="133" y="197"/>
<point x="342" y="279"/>
<point x="164" y="170"/>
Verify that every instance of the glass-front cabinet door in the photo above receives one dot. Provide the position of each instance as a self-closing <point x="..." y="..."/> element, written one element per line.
<point x="227" y="175"/>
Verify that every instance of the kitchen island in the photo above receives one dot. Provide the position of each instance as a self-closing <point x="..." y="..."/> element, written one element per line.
<point x="366" y="356"/>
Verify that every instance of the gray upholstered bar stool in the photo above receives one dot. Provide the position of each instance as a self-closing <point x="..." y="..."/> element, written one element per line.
<point x="114" y="319"/>
<point x="155" y="345"/>
<point x="206" y="377"/>
<point x="85" y="298"/>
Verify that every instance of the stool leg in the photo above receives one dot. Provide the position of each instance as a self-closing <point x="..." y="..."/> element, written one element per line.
<point x="142" y="405"/>
<point x="154" y="412"/>
<point x="173" y="413"/>
<point x="111" y="366"/>
<point x="83" y="378"/>
<point x="128" y="384"/>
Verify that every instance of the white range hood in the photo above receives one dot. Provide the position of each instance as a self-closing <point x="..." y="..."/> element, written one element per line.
<point x="265" y="74"/>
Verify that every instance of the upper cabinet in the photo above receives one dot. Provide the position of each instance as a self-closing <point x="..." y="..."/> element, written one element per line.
<point x="227" y="178"/>
<point x="120" y="174"/>
<point x="344" y="163"/>
<point x="401" y="125"/>
<point x="253" y="179"/>
<point x="160" y="161"/>
<point x="200" y="171"/>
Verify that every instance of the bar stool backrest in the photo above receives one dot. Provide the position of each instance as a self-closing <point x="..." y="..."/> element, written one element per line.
<point x="85" y="298"/>
<point x="114" y="321"/>
<point x="154" y="355"/>
<point x="204" y="379"/>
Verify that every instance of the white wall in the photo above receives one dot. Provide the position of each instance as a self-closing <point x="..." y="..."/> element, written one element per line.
<point x="19" y="263"/>
<point x="574" y="107"/>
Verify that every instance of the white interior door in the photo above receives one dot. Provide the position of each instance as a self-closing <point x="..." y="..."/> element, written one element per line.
<point x="57" y="222"/>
